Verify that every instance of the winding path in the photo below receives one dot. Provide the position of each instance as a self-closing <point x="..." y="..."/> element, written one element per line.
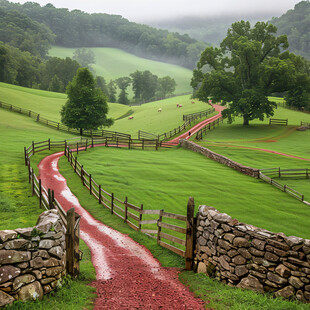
<point x="128" y="276"/>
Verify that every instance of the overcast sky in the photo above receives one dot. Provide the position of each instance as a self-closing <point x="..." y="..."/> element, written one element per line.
<point x="144" y="10"/>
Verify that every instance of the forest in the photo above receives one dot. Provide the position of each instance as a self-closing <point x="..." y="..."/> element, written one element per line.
<point x="79" y="29"/>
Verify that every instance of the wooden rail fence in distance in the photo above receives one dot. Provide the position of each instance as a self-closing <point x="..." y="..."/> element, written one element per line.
<point x="268" y="176"/>
<point x="278" y="121"/>
<point x="203" y="130"/>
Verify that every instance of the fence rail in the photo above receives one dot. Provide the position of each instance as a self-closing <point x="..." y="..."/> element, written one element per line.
<point x="278" y="121"/>
<point x="197" y="115"/>
<point x="60" y="126"/>
<point x="269" y="174"/>
<point x="207" y="127"/>
<point x="305" y="124"/>
<point x="149" y="222"/>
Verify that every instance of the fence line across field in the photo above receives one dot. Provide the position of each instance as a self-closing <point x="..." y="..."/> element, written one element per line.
<point x="136" y="217"/>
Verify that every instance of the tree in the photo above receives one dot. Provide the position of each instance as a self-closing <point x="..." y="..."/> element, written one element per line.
<point x="245" y="69"/>
<point x="56" y="85"/>
<point x="101" y="83"/>
<point x="166" y="86"/>
<point x="84" y="57"/>
<point x="137" y="83"/>
<point x="123" y="83"/>
<point x="298" y="95"/>
<point x="112" y="91"/>
<point x="86" y="107"/>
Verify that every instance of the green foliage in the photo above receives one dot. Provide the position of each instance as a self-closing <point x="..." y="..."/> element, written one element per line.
<point x="295" y="24"/>
<point x="245" y="70"/>
<point x="85" y="57"/>
<point x="101" y="83"/>
<point x="123" y="83"/>
<point x="77" y="28"/>
<point x="166" y="86"/>
<point x="20" y="31"/>
<point x="86" y="107"/>
<point x="112" y="91"/>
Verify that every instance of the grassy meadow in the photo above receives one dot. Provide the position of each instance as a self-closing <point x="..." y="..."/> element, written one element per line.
<point x="160" y="180"/>
<point x="112" y="63"/>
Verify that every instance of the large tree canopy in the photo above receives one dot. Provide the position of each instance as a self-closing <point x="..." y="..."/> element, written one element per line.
<point x="246" y="69"/>
<point x="86" y="107"/>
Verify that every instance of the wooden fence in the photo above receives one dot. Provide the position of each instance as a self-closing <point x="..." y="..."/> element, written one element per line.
<point x="47" y="201"/>
<point x="197" y="115"/>
<point x="207" y="127"/>
<point x="305" y="124"/>
<point x="268" y="176"/>
<point x="278" y="121"/>
<point x="60" y="126"/>
<point x="151" y="222"/>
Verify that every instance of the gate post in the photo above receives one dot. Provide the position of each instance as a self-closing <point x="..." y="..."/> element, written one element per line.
<point x="189" y="252"/>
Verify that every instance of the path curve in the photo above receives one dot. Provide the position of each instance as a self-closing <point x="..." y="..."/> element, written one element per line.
<point x="128" y="276"/>
<point x="200" y="125"/>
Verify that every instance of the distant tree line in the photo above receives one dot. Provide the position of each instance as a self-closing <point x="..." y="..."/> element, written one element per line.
<point x="145" y="85"/>
<point x="77" y="28"/>
<point x="296" y="25"/>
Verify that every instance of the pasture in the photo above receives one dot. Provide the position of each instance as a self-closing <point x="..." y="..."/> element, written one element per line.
<point x="112" y="63"/>
<point x="160" y="180"/>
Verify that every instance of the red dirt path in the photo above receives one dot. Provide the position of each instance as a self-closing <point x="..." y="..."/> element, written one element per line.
<point x="197" y="127"/>
<point x="128" y="276"/>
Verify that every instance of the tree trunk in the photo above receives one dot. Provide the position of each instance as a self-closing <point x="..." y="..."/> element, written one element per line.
<point x="245" y="120"/>
<point x="81" y="131"/>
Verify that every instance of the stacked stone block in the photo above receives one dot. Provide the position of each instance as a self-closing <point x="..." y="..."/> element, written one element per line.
<point x="248" y="257"/>
<point x="32" y="260"/>
<point x="220" y="158"/>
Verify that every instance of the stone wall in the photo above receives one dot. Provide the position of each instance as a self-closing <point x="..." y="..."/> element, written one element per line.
<point x="32" y="260"/>
<point x="252" y="258"/>
<point x="219" y="158"/>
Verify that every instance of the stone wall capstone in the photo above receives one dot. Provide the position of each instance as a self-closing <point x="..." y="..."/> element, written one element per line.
<point x="252" y="258"/>
<point x="253" y="172"/>
<point x="32" y="260"/>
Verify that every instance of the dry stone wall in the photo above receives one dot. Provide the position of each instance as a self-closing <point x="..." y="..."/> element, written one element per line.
<point x="219" y="158"/>
<point x="252" y="258"/>
<point x="32" y="260"/>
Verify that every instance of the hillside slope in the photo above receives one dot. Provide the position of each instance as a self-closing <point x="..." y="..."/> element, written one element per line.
<point x="112" y="63"/>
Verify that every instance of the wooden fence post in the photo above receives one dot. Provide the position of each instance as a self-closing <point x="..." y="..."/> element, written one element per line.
<point x="77" y="148"/>
<point x="40" y="193"/>
<point x="90" y="185"/>
<point x="160" y="219"/>
<point x="99" y="194"/>
<point x="92" y="141"/>
<point x="75" y="160"/>
<point x="140" y="217"/>
<point x="32" y="147"/>
<point x="189" y="252"/>
<point x="32" y="182"/>
<point x="72" y="244"/>
<point x="86" y="145"/>
<point x="126" y="210"/>
<point x="112" y="203"/>
<point x="65" y="147"/>
<point x="49" y="144"/>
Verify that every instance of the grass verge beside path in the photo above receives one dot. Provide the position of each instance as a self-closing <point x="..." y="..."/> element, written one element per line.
<point x="222" y="297"/>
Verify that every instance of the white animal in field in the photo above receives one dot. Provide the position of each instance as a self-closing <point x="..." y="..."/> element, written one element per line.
<point x="160" y="109"/>
<point x="180" y="106"/>
<point x="130" y="117"/>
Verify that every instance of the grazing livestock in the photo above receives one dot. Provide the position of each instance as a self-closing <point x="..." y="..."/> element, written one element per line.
<point x="159" y="110"/>
<point x="180" y="106"/>
<point x="193" y="102"/>
<point x="130" y="117"/>
<point x="177" y="105"/>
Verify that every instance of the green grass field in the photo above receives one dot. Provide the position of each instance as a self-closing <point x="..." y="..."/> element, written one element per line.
<point x="112" y="63"/>
<point x="163" y="179"/>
